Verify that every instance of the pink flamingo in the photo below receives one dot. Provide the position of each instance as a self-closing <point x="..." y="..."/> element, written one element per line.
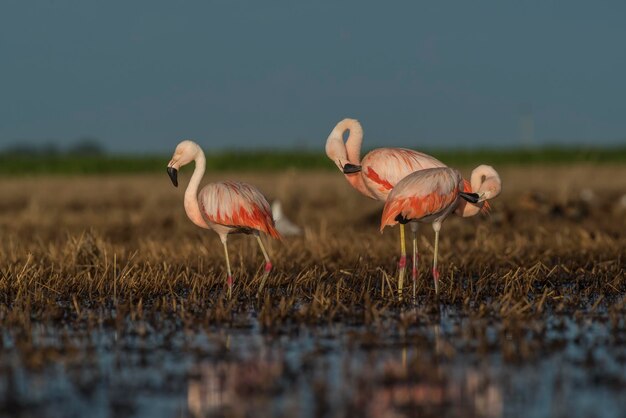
<point x="227" y="207"/>
<point x="428" y="196"/>
<point x="382" y="168"/>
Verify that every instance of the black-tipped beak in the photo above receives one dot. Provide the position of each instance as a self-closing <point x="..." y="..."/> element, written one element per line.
<point x="470" y="197"/>
<point x="173" y="173"/>
<point x="351" y="168"/>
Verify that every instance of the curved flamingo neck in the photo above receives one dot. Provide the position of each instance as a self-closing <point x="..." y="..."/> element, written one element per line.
<point x="354" y="141"/>
<point x="466" y="209"/>
<point x="356" y="181"/>
<point x="484" y="177"/>
<point x="192" y="208"/>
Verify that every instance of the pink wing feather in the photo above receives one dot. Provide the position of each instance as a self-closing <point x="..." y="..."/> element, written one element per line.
<point x="237" y="204"/>
<point x="383" y="168"/>
<point x="420" y="194"/>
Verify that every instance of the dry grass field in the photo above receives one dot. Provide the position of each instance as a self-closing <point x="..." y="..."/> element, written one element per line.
<point x="96" y="239"/>
<point x="117" y="252"/>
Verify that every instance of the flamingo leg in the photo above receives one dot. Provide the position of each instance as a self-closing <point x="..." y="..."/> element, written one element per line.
<point x="401" y="263"/>
<point x="268" y="265"/>
<point x="229" y="278"/>
<point x="414" y="227"/>
<point x="435" y="271"/>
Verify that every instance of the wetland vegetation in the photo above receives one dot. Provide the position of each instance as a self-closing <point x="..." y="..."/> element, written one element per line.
<point x="85" y="160"/>
<point x="112" y="301"/>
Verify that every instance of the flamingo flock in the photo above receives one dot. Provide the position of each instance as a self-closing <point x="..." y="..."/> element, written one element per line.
<point x="415" y="188"/>
<point x="380" y="171"/>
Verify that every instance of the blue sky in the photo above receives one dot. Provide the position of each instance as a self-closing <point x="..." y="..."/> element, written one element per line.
<point x="141" y="76"/>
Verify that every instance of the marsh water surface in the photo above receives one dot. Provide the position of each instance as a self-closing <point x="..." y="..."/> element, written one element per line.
<point x="443" y="364"/>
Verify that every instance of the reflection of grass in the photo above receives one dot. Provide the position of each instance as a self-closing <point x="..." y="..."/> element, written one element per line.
<point x="278" y="160"/>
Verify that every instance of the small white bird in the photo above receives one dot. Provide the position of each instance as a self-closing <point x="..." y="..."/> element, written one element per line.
<point x="283" y="225"/>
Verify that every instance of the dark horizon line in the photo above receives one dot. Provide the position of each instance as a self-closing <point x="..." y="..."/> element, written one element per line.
<point x="52" y="149"/>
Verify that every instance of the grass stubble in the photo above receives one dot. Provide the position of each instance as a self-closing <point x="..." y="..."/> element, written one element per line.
<point x="86" y="253"/>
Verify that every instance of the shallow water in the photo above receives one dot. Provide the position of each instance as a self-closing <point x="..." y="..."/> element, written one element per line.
<point x="410" y="365"/>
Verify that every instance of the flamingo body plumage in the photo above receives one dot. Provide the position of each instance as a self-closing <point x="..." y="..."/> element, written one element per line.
<point x="383" y="168"/>
<point x="380" y="169"/>
<point x="234" y="207"/>
<point x="427" y="196"/>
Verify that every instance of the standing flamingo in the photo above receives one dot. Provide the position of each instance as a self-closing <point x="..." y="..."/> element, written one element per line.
<point x="227" y="207"/>
<point x="382" y="168"/>
<point x="428" y="196"/>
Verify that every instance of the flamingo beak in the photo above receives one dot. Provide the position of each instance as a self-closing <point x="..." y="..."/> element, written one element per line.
<point x="173" y="173"/>
<point x="351" y="168"/>
<point x="470" y="197"/>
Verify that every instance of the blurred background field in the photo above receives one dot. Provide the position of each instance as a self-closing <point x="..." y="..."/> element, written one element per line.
<point x="25" y="163"/>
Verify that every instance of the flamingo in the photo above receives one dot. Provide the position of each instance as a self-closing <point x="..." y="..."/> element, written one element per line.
<point x="427" y="196"/>
<point x="382" y="168"/>
<point x="227" y="207"/>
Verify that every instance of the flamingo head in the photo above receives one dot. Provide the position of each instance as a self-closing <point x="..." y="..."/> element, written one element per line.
<point x="185" y="153"/>
<point x="336" y="150"/>
<point x="486" y="182"/>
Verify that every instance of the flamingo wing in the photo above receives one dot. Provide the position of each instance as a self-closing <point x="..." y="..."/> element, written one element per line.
<point x="421" y="194"/>
<point x="238" y="205"/>
<point x="383" y="168"/>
